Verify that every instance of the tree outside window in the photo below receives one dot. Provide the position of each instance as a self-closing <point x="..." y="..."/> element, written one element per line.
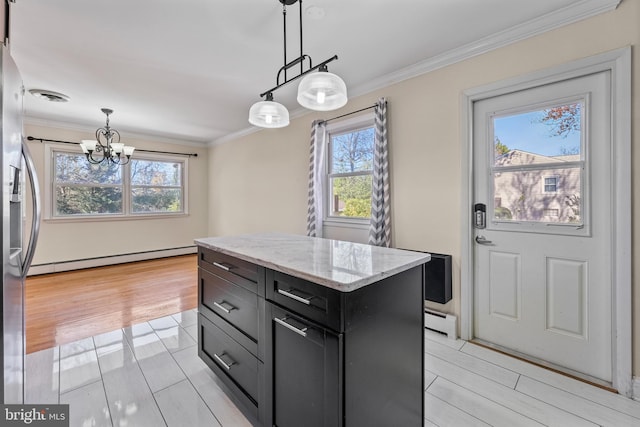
<point x="350" y="173"/>
<point x="143" y="186"/>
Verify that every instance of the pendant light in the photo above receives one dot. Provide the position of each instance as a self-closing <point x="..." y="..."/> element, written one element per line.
<point x="322" y="91"/>
<point x="319" y="91"/>
<point x="269" y="114"/>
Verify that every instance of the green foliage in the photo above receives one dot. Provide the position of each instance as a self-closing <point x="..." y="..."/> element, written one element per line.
<point x="352" y="152"/>
<point x="500" y="148"/>
<point x="357" y="208"/>
<point x="352" y="195"/>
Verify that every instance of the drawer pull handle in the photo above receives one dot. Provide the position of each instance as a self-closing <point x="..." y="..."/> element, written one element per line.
<point x="222" y="266"/>
<point x="293" y="296"/>
<point x="283" y="322"/>
<point x="223" y="308"/>
<point x="224" y="364"/>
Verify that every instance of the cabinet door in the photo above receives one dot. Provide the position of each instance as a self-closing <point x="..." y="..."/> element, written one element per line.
<point x="305" y="369"/>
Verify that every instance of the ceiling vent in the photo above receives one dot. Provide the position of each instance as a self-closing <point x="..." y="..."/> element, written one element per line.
<point x="48" y="95"/>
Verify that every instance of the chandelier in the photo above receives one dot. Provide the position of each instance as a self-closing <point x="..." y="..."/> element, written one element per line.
<point x="107" y="146"/>
<point x="321" y="91"/>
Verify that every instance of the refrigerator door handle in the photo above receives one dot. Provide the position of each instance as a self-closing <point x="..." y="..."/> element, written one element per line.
<point x="35" y="200"/>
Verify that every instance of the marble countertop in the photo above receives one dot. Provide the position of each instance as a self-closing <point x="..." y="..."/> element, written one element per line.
<point x="336" y="264"/>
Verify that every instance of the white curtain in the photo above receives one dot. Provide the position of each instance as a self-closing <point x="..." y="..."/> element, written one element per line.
<point x="316" y="181"/>
<point x="380" y="226"/>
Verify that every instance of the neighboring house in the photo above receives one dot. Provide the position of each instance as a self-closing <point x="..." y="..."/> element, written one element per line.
<point x="538" y="191"/>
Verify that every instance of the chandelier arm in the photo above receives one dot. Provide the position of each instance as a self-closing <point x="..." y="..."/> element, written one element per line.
<point x="279" y="85"/>
<point x="93" y="161"/>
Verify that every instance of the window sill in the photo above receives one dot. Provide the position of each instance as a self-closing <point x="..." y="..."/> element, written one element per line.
<point x="357" y="223"/>
<point x="114" y="218"/>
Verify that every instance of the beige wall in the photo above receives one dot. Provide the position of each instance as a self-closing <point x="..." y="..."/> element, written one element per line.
<point x="259" y="182"/>
<point x="65" y="241"/>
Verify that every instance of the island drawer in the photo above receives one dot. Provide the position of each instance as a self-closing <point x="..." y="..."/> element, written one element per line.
<point x="234" y="304"/>
<point x="235" y="270"/>
<point x="228" y="359"/>
<point x="315" y="302"/>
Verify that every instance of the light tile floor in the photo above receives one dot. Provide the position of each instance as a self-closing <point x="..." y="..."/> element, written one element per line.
<point x="150" y="375"/>
<point x="145" y="375"/>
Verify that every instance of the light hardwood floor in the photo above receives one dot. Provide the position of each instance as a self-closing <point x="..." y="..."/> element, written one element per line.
<point x="65" y="307"/>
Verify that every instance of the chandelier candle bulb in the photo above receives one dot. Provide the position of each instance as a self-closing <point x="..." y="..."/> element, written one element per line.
<point x="117" y="147"/>
<point x="88" y="145"/>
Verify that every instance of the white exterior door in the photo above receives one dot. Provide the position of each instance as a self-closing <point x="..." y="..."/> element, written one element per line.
<point x="542" y="262"/>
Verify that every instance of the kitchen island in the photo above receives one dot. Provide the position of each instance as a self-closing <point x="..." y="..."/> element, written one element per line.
<point x="314" y="332"/>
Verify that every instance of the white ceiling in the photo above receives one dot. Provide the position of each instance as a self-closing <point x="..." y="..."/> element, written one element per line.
<point x="190" y="69"/>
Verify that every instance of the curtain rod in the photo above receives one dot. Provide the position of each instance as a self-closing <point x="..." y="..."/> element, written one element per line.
<point x="353" y="112"/>
<point x="31" y="138"/>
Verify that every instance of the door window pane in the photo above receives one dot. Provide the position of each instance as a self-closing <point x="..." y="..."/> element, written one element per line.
<point x="522" y="196"/>
<point x="543" y="136"/>
<point x="538" y="165"/>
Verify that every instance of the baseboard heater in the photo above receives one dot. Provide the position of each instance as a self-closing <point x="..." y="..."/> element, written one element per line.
<point x="57" y="267"/>
<point x="440" y="322"/>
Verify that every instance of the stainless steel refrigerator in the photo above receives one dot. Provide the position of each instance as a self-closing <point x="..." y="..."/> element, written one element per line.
<point x="19" y="183"/>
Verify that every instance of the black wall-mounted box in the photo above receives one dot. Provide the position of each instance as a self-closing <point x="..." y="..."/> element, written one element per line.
<point x="437" y="278"/>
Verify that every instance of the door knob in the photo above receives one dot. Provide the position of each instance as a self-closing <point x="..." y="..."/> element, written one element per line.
<point x="482" y="241"/>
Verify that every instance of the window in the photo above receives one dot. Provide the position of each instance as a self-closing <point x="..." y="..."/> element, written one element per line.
<point x="148" y="185"/>
<point x="538" y="169"/>
<point x="550" y="184"/>
<point x="350" y="169"/>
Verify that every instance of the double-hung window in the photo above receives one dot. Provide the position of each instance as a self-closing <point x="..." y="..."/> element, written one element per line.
<point x="350" y="171"/>
<point x="147" y="185"/>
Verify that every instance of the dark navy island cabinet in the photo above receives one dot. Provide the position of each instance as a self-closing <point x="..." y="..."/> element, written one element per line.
<point x="294" y="353"/>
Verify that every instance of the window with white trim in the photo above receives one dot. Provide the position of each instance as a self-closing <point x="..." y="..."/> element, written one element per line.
<point x="550" y="184"/>
<point x="350" y="170"/>
<point x="147" y="185"/>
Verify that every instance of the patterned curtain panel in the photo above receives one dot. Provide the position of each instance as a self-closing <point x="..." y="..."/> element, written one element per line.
<point x="316" y="159"/>
<point x="380" y="227"/>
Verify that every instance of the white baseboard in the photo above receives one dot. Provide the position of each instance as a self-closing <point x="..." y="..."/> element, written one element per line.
<point x="441" y="322"/>
<point x="57" y="267"/>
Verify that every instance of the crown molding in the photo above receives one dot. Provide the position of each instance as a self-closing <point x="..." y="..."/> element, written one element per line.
<point x="56" y="124"/>
<point x="551" y="21"/>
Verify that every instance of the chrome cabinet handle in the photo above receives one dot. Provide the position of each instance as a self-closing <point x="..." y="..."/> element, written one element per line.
<point x="225" y="365"/>
<point x="288" y="294"/>
<point x="283" y="322"/>
<point x="482" y="241"/>
<point x="223" y="308"/>
<point x="222" y="266"/>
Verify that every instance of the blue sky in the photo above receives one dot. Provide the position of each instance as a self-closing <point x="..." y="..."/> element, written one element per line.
<point x="525" y="132"/>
